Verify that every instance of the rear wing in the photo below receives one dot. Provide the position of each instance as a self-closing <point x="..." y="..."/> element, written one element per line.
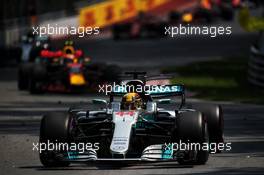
<point x="155" y="91"/>
<point x="152" y="90"/>
<point x="147" y="79"/>
<point x="166" y="90"/>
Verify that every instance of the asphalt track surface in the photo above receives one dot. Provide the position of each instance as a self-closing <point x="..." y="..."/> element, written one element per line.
<point x="20" y="112"/>
<point x="19" y="128"/>
<point x="154" y="53"/>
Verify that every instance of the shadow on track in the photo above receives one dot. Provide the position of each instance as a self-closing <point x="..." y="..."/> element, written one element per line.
<point x="112" y="166"/>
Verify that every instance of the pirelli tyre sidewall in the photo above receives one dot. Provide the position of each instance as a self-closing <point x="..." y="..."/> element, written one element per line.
<point x="192" y="128"/>
<point x="55" y="129"/>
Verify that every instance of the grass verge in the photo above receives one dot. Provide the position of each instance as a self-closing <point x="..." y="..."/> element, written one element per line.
<point x="221" y="80"/>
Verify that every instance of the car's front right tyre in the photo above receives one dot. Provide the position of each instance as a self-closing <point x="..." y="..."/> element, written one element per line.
<point x="54" y="128"/>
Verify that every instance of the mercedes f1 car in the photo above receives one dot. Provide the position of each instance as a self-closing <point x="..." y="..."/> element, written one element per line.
<point x="133" y="128"/>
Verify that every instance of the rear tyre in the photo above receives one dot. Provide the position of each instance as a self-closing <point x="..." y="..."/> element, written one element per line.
<point x="175" y="17"/>
<point x="34" y="86"/>
<point x="121" y="31"/>
<point x="192" y="128"/>
<point x="36" y="80"/>
<point x="55" y="128"/>
<point x="214" y="117"/>
<point x="23" y="76"/>
<point x="227" y="13"/>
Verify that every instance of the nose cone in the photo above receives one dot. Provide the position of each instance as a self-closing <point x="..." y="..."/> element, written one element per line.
<point x="124" y="121"/>
<point x="119" y="145"/>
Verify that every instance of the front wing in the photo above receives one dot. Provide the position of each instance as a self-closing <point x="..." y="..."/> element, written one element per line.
<point x="153" y="153"/>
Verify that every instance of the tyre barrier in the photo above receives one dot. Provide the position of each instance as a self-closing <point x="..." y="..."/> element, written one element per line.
<point x="256" y="68"/>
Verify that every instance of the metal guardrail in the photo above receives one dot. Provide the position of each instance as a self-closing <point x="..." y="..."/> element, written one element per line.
<point x="256" y="68"/>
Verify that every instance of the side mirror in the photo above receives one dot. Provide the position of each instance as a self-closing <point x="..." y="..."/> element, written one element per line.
<point x="164" y="101"/>
<point x="99" y="101"/>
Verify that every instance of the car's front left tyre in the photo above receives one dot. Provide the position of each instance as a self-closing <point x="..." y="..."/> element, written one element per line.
<point x="214" y="116"/>
<point x="192" y="129"/>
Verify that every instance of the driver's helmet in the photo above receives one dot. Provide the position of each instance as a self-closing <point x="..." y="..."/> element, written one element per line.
<point x="131" y="101"/>
<point x="68" y="47"/>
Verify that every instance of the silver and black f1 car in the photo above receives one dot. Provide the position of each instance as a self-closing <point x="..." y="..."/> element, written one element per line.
<point x="133" y="128"/>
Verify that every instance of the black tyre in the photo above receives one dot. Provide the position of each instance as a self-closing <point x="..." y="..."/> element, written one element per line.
<point x="192" y="128"/>
<point x="23" y="76"/>
<point x="121" y="31"/>
<point x="54" y="127"/>
<point x="93" y="73"/>
<point x="214" y="117"/>
<point x="227" y="13"/>
<point x="115" y="34"/>
<point x="204" y="15"/>
<point x="175" y="16"/>
<point x="37" y="79"/>
<point x="34" y="86"/>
